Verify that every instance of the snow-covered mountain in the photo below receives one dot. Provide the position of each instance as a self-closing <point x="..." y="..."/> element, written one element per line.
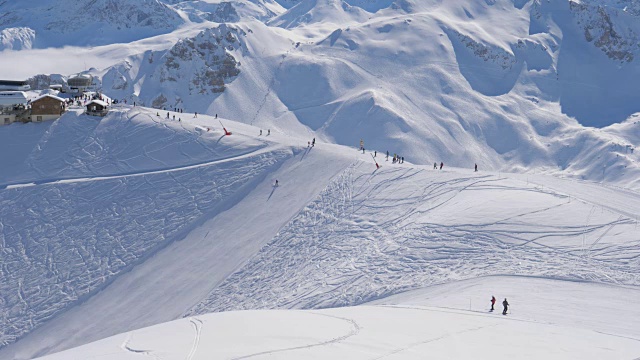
<point x="150" y="215"/>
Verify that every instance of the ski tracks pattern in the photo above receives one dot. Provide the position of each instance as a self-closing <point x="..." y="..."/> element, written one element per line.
<point x="355" y="330"/>
<point x="367" y="236"/>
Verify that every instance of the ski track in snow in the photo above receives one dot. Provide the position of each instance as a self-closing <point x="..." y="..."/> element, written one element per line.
<point x="197" y="327"/>
<point x="355" y="329"/>
<point x="369" y="235"/>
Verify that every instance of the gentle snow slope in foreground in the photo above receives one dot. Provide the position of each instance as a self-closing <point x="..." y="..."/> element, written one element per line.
<point x="550" y="319"/>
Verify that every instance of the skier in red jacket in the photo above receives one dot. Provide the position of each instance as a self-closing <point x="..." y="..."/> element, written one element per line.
<point x="493" y="302"/>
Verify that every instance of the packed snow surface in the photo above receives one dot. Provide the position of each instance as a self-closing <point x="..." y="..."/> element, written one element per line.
<point x="548" y="319"/>
<point x="116" y="223"/>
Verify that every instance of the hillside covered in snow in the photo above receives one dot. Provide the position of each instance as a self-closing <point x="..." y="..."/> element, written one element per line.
<point x="151" y="215"/>
<point x="430" y="80"/>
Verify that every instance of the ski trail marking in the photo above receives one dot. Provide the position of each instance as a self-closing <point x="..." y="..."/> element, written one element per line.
<point x="197" y="326"/>
<point x="418" y="343"/>
<point x="125" y="346"/>
<point x="355" y="330"/>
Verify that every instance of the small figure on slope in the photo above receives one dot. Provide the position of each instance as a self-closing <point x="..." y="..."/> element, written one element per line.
<point x="476" y="168"/>
<point x="493" y="302"/>
<point x="505" y="305"/>
<point x="441" y="165"/>
<point x="276" y="184"/>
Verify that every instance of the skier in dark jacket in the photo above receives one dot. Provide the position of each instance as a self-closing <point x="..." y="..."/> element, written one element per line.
<point x="493" y="302"/>
<point x="441" y="165"/>
<point x="505" y="304"/>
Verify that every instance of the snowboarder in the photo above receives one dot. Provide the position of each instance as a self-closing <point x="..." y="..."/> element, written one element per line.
<point x="441" y="165"/>
<point x="476" y="168"/>
<point x="505" y="304"/>
<point x="493" y="302"/>
<point x="157" y="114"/>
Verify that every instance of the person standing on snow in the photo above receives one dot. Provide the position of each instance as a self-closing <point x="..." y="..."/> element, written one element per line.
<point x="313" y="142"/>
<point x="441" y="165"/>
<point x="493" y="301"/>
<point x="435" y="166"/>
<point x="505" y="304"/>
<point x="476" y="167"/>
<point x="387" y="155"/>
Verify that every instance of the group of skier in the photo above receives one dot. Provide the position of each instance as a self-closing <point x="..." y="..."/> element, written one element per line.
<point x="505" y="305"/>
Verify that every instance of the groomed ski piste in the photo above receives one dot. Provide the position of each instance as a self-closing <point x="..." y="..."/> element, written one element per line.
<point x="139" y="235"/>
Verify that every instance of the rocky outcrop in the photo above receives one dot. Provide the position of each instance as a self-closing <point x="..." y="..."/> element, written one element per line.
<point x="613" y="38"/>
<point x="205" y="60"/>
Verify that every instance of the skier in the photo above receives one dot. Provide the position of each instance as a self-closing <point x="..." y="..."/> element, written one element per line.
<point x="276" y="182"/>
<point x="375" y="153"/>
<point x="435" y="166"/>
<point x="505" y="304"/>
<point x="195" y="115"/>
<point x="174" y="118"/>
<point x="363" y="149"/>
<point x="441" y="165"/>
<point x="313" y="142"/>
<point x="476" y="167"/>
<point x="167" y="115"/>
<point x="387" y="155"/>
<point x="493" y="301"/>
<point x="402" y="160"/>
<point x="260" y="132"/>
<point x="308" y="143"/>
<point x="216" y="116"/>
<point x="268" y="131"/>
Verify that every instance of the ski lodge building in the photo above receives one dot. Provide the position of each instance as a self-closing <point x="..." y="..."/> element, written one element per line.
<point x="80" y="83"/>
<point x="13" y="106"/>
<point x="97" y="108"/>
<point x="47" y="107"/>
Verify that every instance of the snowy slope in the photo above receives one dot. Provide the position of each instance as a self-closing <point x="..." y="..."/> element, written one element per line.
<point x="188" y="222"/>
<point x="428" y="79"/>
<point x="109" y="225"/>
<point x="548" y="319"/>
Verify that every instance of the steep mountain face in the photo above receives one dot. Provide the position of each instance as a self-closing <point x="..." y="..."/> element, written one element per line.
<point x="516" y="98"/>
<point x="89" y="22"/>
<point x="197" y="67"/>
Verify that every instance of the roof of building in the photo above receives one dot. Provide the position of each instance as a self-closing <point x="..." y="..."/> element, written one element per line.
<point x="48" y="95"/>
<point x="13" y="82"/>
<point x="99" y="102"/>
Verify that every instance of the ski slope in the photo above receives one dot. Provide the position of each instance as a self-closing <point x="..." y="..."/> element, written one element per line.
<point x="110" y="225"/>
<point x="548" y="319"/>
